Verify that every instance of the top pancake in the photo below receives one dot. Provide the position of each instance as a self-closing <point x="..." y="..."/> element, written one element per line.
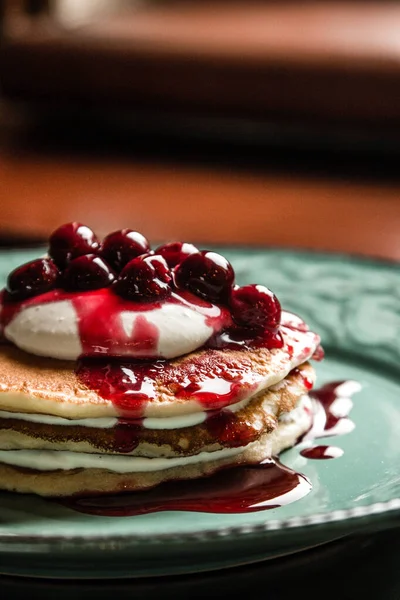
<point x="33" y="384"/>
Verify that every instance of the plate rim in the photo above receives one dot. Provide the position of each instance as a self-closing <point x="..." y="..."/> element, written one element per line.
<point x="334" y="518"/>
<point x="368" y="513"/>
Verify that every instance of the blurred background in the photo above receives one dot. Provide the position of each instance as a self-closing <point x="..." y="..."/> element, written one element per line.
<point x="269" y="123"/>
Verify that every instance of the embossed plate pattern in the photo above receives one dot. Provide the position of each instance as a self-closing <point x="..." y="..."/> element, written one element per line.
<point x="355" y="305"/>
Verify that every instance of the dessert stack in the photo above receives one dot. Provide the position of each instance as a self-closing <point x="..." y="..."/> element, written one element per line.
<point x="123" y="367"/>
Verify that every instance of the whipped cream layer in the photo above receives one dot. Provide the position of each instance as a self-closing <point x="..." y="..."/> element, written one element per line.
<point x="291" y="424"/>
<point x="54" y="460"/>
<point x="175" y="422"/>
<point x="178" y="422"/>
<point x="65" y="326"/>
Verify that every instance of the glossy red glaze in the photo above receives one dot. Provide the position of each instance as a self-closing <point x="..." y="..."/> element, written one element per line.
<point x="233" y="490"/>
<point x="243" y="489"/>
<point x="306" y="381"/>
<point x="99" y="311"/>
<point x="212" y="380"/>
<point x="127" y="435"/>
<point x="326" y="396"/>
<point x="322" y="452"/>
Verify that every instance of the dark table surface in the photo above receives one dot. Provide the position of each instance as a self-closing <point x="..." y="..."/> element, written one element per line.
<point x="362" y="567"/>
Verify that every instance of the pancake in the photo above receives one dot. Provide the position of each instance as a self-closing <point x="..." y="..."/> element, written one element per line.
<point x="31" y="384"/>
<point x="125" y="367"/>
<point x="220" y="429"/>
<point x="60" y="435"/>
<point x="91" y="481"/>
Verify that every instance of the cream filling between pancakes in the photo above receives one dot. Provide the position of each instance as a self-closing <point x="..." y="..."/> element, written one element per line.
<point x="177" y="422"/>
<point x="54" y="460"/>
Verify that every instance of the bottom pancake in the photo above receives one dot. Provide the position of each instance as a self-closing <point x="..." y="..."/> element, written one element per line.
<point x="17" y="475"/>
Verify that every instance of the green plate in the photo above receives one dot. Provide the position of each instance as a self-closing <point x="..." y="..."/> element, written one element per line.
<point x="355" y="305"/>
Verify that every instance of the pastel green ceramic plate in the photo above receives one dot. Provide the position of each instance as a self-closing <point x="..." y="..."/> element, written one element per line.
<point x="355" y="305"/>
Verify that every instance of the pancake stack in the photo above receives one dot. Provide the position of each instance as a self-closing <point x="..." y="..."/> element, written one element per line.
<point x="129" y="409"/>
<point x="59" y="438"/>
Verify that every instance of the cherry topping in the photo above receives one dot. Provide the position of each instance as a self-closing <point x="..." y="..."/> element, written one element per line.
<point x="255" y="307"/>
<point x="119" y="247"/>
<point x="175" y="252"/>
<point x="32" y="278"/>
<point x="88" y="272"/>
<point x="160" y="264"/>
<point x="144" y="279"/>
<point x="206" y="274"/>
<point x="70" y="241"/>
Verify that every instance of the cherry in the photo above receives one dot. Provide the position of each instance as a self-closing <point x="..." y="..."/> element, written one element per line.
<point x="33" y="278"/>
<point x="206" y="274"/>
<point x="255" y="307"/>
<point x="119" y="247"/>
<point x="160" y="264"/>
<point x="70" y="241"/>
<point x="88" y="272"/>
<point x="175" y="252"/>
<point x="144" y="279"/>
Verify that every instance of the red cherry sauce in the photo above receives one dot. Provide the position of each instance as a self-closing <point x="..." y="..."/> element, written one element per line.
<point x="212" y="380"/>
<point x="100" y="325"/>
<point x="332" y="404"/>
<point x="322" y="452"/>
<point x="331" y="407"/>
<point x="127" y="435"/>
<point x="308" y="383"/>
<point x="244" y="489"/>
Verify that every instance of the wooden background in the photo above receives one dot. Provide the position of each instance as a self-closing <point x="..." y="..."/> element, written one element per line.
<point x="264" y="69"/>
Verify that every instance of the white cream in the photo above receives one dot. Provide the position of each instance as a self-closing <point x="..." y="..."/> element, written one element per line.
<point x="181" y="329"/>
<point x="46" y="330"/>
<point x="53" y="460"/>
<point x="51" y="329"/>
<point x="176" y="422"/>
<point x="100" y="423"/>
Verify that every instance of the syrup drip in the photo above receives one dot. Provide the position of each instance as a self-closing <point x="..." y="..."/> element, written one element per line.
<point x="242" y="489"/>
<point x="214" y="381"/>
<point x="233" y="490"/>
<point x="211" y="380"/>
<point x="127" y="435"/>
<point x="231" y="430"/>
<point x="331" y="408"/>
<point x="322" y="452"/>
